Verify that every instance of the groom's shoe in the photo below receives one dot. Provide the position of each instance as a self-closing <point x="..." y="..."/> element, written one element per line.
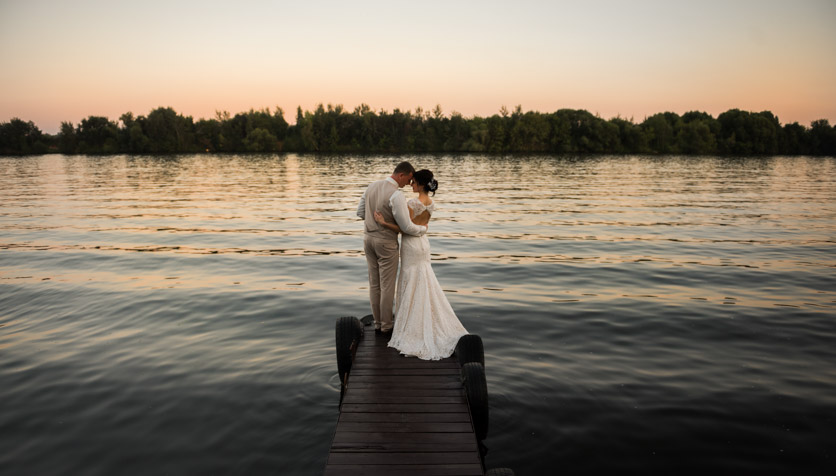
<point x="386" y="334"/>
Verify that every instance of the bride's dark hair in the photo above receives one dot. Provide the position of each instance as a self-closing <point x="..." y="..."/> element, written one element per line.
<point x="425" y="177"/>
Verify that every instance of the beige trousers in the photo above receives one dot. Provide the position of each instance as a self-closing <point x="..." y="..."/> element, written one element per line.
<point x="382" y="258"/>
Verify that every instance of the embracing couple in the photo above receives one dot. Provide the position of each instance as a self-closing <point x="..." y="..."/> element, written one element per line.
<point x="423" y="325"/>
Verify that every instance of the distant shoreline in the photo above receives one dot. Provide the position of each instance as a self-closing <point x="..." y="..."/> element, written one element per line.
<point x="333" y="129"/>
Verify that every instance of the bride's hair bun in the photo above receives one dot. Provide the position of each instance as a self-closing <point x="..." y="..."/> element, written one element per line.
<point x="425" y="178"/>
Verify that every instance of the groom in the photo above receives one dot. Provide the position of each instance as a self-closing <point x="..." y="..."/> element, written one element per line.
<point x="381" y="244"/>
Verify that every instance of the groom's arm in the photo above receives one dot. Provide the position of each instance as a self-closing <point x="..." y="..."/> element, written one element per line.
<point x="401" y="214"/>
<point x="361" y="209"/>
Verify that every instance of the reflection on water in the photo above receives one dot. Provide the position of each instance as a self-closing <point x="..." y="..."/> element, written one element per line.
<point x="175" y="314"/>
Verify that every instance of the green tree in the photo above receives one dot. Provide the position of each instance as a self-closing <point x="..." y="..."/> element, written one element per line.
<point x="261" y="140"/>
<point x="630" y="135"/>
<point x="208" y="135"/>
<point x="796" y="139"/>
<point x="97" y="135"/>
<point x="233" y="132"/>
<point x="530" y="133"/>
<point x="274" y="123"/>
<point x="822" y="138"/>
<point x="586" y="133"/>
<point x="304" y="126"/>
<point x="127" y="119"/>
<point x="496" y="134"/>
<point x="169" y="132"/>
<point x="479" y="138"/>
<point x="697" y="134"/>
<point x="766" y="133"/>
<point x="660" y="132"/>
<point x="21" y="137"/>
<point x="746" y="133"/>
<point x="67" y="140"/>
<point x="138" y="142"/>
<point x="561" y="124"/>
<point x="458" y="132"/>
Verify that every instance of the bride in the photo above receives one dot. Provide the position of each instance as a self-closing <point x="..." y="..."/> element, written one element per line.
<point x="425" y="325"/>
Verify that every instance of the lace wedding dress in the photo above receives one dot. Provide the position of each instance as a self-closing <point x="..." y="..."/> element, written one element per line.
<point x="425" y="325"/>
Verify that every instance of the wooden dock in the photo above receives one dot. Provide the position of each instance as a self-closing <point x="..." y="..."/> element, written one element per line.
<point x="403" y="416"/>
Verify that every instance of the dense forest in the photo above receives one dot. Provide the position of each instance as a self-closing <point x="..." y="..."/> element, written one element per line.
<point x="332" y="129"/>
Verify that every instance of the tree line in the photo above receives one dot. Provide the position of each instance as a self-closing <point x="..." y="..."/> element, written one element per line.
<point x="333" y="129"/>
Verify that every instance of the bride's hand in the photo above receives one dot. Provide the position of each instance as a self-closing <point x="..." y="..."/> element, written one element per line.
<point x="378" y="217"/>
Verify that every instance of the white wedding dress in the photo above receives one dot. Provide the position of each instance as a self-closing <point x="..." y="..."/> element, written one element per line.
<point x="425" y="325"/>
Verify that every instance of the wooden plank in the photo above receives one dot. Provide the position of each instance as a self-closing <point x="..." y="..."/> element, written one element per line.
<point x="395" y="365"/>
<point x="400" y="427"/>
<point x="376" y="360"/>
<point x="395" y="358"/>
<point x="409" y="379"/>
<point x="366" y="354"/>
<point x="410" y="372"/>
<point x="455" y="373"/>
<point x="406" y="417"/>
<point x="382" y="350"/>
<point x="423" y="438"/>
<point x="371" y="353"/>
<point x="378" y="354"/>
<point x="369" y="390"/>
<point x="374" y="351"/>
<point x="378" y="341"/>
<point x="404" y="458"/>
<point x="403" y="470"/>
<point x="404" y="408"/>
<point x="399" y="447"/>
<point x="377" y="348"/>
<point x="401" y="364"/>
<point x="418" y="384"/>
<point x="418" y="392"/>
<point x="352" y="398"/>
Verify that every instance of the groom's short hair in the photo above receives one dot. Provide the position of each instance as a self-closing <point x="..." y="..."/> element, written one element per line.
<point x="404" y="168"/>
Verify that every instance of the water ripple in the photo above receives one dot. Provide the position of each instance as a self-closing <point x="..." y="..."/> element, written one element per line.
<point x="176" y="314"/>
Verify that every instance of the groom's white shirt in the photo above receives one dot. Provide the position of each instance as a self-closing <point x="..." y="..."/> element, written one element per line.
<point x="397" y="202"/>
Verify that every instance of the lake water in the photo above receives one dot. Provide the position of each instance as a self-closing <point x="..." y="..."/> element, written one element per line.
<point x="175" y="315"/>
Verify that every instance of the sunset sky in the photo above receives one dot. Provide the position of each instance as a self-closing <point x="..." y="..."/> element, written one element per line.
<point x="66" y="60"/>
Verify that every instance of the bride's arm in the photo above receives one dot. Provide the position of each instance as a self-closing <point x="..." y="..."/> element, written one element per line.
<point x="403" y="217"/>
<point x="378" y="217"/>
<point x="422" y="219"/>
